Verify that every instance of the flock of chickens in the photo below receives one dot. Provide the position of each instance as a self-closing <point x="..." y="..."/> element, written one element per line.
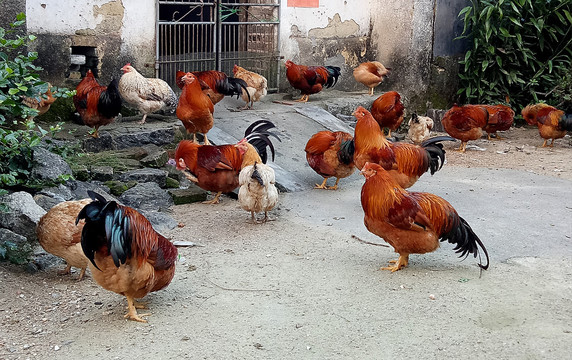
<point x="127" y="256"/>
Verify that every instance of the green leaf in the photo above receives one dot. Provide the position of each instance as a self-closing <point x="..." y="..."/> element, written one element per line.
<point x="485" y="64"/>
<point x="568" y="16"/>
<point x="515" y="21"/>
<point x="13" y="91"/>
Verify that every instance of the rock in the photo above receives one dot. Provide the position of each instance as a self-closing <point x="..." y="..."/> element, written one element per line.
<point x="156" y="158"/>
<point x="101" y="173"/>
<point x="60" y="193"/>
<point x="14" y="247"/>
<point x="161" y="136"/>
<point x="172" y="183"/>
<point x="147" y="197"/>
<point x="161" y="222"/>
<point x="23" y="214"/>
<point x="146" y="175"/>
<point x="46" y="202"/>
<point x="103" y="142"/>
<point x="81" y="173"/>
<point x="48" y="166"/>
<point x="186" y="196"/>
<point x="119" y="187"/>
<point x="79" y="190"/>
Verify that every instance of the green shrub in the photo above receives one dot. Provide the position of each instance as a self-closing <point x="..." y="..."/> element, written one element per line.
<point x="19" y="78"/>
<point x="519" y="48"/>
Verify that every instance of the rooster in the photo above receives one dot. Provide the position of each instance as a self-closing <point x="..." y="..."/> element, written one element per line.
<point x="501" y="118"/>
<point x="404" y="162"/>
<point x="419" y="128"/>
<point x="97" y="105"/>
<point x="465" y="123"/>
<point x="311" y="79"/>
<point x="552" y="123"/>
<point x="370" y="74"/>
<point x="42" y="103"/>
<point x="387" y="110"/>
<point x="146" y="94"/>
<point x="195" y="109"/>
<point x="413" y="222"/>
<point x="58" y="234"/>
<point x="216" y="168"/>
<point x="257" y="192"/>
<point x="256" y="85"/>
<point x="126" y="254"/>
<point x="216" y="84"/>
<point x="331" y="154"/>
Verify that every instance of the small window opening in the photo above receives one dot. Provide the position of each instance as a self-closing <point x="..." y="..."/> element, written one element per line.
<point x="83" y="58"/>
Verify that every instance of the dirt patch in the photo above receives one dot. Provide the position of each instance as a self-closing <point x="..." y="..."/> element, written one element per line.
<point x="301" y="287"/>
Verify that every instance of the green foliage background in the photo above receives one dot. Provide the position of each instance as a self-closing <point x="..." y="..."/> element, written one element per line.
<point x="519" y="48"/>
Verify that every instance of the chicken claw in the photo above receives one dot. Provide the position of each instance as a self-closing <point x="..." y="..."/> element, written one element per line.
<point x="215" y="200"/>
<point x="304" y="98"/>
<point x="132" y="313"/>
<point x="323" y="185"/>
<point x="402" y="262"/>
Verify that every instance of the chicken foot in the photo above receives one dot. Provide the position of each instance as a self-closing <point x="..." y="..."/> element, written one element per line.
<point x="551" y="143"/>
<point x="402" y="262"/>
<point x="65" y="271"/>
<point x="132" y="313"/>
<point x="371" y="91"/>
<point x="497" y="137"/>
<point x="463" y="147"/>
<point x="215" y="200"/>
<point x="304" y="98"/>
<point x="206" y="141"/>
<point x="143" y="120"/>
<point x="323" y="185"/>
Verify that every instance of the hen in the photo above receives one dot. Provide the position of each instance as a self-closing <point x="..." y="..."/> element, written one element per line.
<point x="146" y="94"/>
<point x="501" y="118"/>
<point x="404" y="162"/>
<point x="216" y="168"/>
<point x="370" y="74"/>
<point x="195" y="109"/>
<point x="127" y="256"/>
<point x="311" y="79"/>
<point x="413" y="222"/>
<point x="97" y="105"/>
<point x="257" y="192"/>
<point x="387" y="110"/>
<point x="552" y="123"/>
<point x="58" y="234"/>
<point x="330" y="154"/>
<point x="256" y="85"/>
<point x="465" y="123"/>
<point x="42" y="105"/>
<point x="419" y="128"/>
<point x="215" y="84"/>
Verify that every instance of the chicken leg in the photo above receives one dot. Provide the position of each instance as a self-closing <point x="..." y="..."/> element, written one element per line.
<point x="370" y="91"/>
<point x="143" y="120"/>
<point x="215" y="200"/>
<point x="304" y="98"/>
<point x="323" y="185"/>
<point x="65" y="271"/>
<point x="402" y="262"/>
<point x="335" y="187"/>
<point x="206" y="140"/>
<point x="463" y="147"/>
<point x="132" y="313"/>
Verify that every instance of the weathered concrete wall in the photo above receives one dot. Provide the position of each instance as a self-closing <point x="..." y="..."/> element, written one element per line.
<point x="10" y="8"/>
<point x="112" y="32"/>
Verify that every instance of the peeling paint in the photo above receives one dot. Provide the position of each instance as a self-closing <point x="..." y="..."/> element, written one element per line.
<point x="336" y="28"/>
<point x="111" y="15"/>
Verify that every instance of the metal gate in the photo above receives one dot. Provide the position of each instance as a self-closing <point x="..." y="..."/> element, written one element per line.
<point x="215" y="35"/>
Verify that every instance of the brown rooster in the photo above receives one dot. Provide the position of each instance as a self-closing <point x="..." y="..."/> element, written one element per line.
<point x="404" y="162"/>
<point x="58" y="234"/>
<point x="216" y="168"/>
<point x="413" y="222"/>
<point x="370" y="74"/>
<point x="465" y="123"/>
<point x="216" y="84"/>
<point x="195" y="109"/>
<point x="387" y="110"/>
<point x="311" y="79"/>
<point x="552" y="123"/>
<point x="127" y="256"/>
<point x="501" y="118"/>
<point x="330" y="154"/>
<point x="97" y="105"/>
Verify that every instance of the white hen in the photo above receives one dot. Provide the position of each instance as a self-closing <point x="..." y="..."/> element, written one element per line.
<point x="419" y="128"/>
<point x="146" y="94"/>
<point x="257" y="191"/>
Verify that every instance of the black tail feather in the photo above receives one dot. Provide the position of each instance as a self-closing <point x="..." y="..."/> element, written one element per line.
<point x="565" y="122"/>
<point x="436" y="152"/>
<point x="346" y="152"/>
<point x="334" y="72"/>
<point x="109" y="104"/>
<point x="466" y="241"/>
<point x="258" y="135"/>
<point x="256" y="176"/>
<point x="105" y="225"/>
<point x="231" y="86"/>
